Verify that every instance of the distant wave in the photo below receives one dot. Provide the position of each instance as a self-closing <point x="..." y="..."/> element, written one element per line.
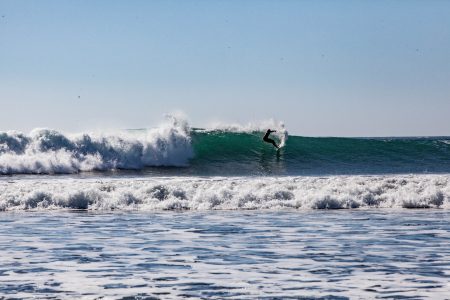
<point x="195" y="193"/>
<point x="46" y="151"/>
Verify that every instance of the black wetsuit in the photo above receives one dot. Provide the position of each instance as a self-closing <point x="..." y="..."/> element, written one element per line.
<point x="270" y="141"/>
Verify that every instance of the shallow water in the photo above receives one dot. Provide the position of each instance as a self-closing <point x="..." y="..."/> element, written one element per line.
<point x="356" y="254"/>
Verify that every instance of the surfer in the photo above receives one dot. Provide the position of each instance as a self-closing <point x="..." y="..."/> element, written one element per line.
<point x="270" y="141"/>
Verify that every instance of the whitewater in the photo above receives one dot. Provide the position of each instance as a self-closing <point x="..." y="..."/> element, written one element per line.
<point x="46" y="151"/>
<point x="227" y="193"/>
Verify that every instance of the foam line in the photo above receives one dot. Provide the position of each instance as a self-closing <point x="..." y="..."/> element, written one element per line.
<point x="196" y="193"/>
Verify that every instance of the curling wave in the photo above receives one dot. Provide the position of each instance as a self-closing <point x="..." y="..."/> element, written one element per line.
<point x="195" y="193"/>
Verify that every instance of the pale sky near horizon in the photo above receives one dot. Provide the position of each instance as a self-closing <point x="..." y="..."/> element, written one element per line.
<point x="324" y="68"/>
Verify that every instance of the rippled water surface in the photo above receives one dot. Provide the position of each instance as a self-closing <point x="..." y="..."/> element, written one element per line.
<point x="226" y="254"/>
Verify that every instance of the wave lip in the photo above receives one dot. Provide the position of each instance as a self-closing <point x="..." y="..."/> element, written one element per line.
<point x="258" y="127"/>
<point x="46" y="151"/>
<point x="194" y="193"/>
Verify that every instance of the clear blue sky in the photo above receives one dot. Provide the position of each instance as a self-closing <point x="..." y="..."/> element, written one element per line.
<point x="325" y="68"/>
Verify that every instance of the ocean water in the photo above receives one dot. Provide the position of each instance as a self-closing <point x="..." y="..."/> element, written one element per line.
<point x="356" y="254"/>
<point x="178" y="212"/>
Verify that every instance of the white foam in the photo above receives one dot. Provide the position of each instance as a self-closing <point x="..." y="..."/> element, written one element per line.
<point x="195" y="193"/>
<point x="49" y="151"/>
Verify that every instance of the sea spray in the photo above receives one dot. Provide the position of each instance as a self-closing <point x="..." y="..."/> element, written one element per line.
<point x="253" y="127"/>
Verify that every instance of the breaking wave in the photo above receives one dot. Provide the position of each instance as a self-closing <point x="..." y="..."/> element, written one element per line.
<point x="46" y="151"/>
<point x="195" y="193"/>
<point x="221" y="150"/>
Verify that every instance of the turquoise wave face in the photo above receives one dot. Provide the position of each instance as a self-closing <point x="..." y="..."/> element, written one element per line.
<point x="227" y="153"/>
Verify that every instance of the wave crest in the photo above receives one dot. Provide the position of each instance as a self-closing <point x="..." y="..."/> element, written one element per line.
<point x="251" y="127"/>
